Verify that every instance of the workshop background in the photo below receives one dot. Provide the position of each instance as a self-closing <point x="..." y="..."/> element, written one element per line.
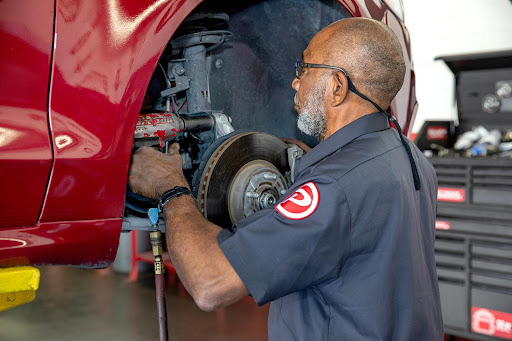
<point x="462" y="60"/>
<point x="118" y="303"/>
<point x="457" y="27"/>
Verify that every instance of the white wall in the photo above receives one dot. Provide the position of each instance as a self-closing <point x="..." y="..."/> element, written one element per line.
<point x="446" y="27"/>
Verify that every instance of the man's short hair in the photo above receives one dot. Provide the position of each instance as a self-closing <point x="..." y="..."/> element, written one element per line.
<point x="372" y="56"/>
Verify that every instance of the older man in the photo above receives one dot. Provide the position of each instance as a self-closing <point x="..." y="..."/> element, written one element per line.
<point x="349" y="255"/>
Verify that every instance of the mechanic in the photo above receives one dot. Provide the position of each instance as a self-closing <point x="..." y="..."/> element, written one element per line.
<point x="349" y="254"/>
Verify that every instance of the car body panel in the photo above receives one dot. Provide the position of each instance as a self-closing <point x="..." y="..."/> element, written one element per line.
<point x="90" y="243"/>
<point x="25" y="149"/>
<point x="104" y="55"/>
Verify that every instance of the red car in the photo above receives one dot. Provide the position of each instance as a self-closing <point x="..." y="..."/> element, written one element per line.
<point x="82" y="78"/>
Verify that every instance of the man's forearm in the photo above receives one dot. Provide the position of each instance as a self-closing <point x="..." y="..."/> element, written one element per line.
<point x="191" y="239"/>
<point x="199" y="262"/>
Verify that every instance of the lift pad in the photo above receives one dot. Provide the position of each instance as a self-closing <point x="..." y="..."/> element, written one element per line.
<point x="18" y="286"/>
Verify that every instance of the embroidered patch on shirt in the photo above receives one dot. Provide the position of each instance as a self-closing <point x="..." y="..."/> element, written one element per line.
<point x="301" y="204"/>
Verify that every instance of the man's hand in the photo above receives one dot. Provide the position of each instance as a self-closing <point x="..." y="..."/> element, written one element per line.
<point x="191" y="239"/>
<point x="152" y="173"/>
<point x="299" y="143"/>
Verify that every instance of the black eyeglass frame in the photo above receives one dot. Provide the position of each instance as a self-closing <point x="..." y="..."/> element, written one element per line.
<point x="351" y="87"/>
<point x="305" y="65"/>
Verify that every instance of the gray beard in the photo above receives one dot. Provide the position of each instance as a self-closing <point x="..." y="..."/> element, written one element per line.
<point x="311" y="120"/>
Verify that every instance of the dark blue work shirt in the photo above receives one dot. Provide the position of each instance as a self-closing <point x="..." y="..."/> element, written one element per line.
<point x="349" y="254"/>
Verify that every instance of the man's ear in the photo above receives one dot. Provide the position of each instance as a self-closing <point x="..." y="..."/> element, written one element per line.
<point x="339" y="89"/>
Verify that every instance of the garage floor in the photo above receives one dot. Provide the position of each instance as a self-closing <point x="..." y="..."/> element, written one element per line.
<point x="81" y="304"/>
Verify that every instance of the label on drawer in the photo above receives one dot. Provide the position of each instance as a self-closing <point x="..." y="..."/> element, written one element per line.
<point x="491" y="322"/>
<point x="451" y="194"/>
<point x="442" y="225"/>
<point x="437" y="133"/>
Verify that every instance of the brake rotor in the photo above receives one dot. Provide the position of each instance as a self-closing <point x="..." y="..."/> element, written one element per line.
<point x="242" y="175"/>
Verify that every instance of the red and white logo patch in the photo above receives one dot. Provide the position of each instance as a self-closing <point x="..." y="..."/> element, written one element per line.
<point x="301" y="204"/>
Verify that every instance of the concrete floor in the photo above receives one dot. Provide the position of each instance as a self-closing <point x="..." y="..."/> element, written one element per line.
<point x="82" y="304"/>
<point x="102" y="305"/>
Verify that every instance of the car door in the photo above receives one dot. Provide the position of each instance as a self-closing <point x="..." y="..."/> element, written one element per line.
<point x="26" y="35"/>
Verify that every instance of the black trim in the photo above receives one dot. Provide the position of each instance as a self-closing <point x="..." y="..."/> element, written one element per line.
<point x="48" y="110"/>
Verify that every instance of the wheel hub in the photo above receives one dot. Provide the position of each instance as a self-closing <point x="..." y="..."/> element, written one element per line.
<point x="256" y="186"/>
<point x="240" y="176"/>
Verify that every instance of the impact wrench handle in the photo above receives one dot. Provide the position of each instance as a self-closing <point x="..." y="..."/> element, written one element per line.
<point x="157" y="243"/>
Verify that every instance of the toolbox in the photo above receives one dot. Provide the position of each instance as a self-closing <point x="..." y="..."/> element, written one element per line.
<point x="474" y="214"/>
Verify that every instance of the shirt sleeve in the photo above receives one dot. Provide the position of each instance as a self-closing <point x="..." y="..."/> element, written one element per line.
<point x="284" y="249"/>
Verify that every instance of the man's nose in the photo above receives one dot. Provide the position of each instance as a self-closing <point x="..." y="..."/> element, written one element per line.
<point x="296" y="84"/>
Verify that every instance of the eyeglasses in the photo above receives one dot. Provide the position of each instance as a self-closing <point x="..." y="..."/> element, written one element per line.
<point x="299" y="70"/>
<point x="300" y="66"/>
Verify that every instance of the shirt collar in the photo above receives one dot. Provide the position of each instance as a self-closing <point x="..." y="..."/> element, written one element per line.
<point x="363" y="125"/>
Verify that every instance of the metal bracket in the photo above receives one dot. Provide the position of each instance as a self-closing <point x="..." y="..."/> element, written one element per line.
<point x="141" y="224"/>
<point x="182" y="84"/>
<point x="222" y="124"/>
<point x="294" y="152"/>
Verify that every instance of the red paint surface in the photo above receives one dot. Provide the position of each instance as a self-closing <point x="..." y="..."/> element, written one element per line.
<point x="25" y="150"/>
<point x="103" y="58"/>
<point x="451" y="194"/>
<point x="86" y="243"/>
<point x="491" y="322"/>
